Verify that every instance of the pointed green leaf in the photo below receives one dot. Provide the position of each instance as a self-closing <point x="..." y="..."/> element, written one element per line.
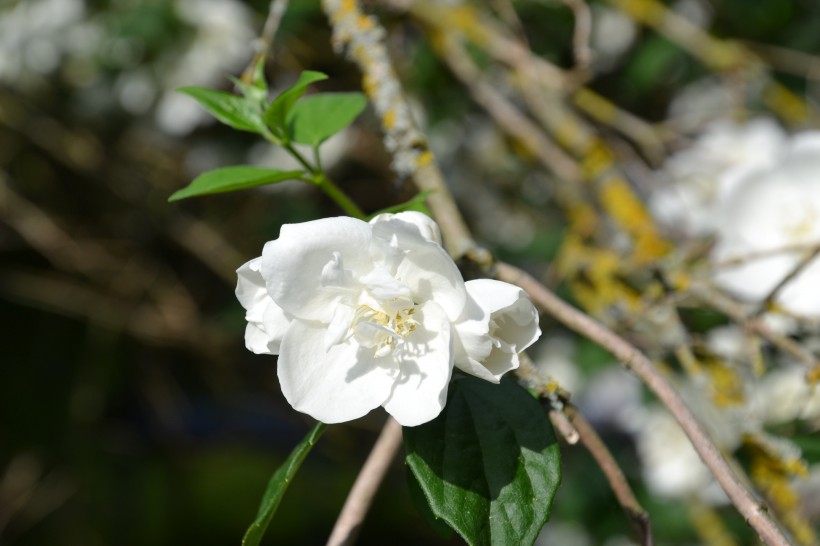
<point x="277" y="486"/>
<point x="414" y="203"/>
<point x="233" y="110"/>
<point x="318" y="117"/>
<point x="228" y="179"/>
<point x="489" y="464"/>
<point x="277" y="112"/>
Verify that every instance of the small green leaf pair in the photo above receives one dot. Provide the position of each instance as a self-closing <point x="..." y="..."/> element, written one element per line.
<point x="285" y="120"/>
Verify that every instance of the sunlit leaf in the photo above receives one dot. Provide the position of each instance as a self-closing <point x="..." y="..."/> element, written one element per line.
<point x="228" y="179"/>
<point x="277" y="112"/>
<point x="318" y="117"/>
<point x="233" y="110"/>
<point x="414" y="203"/>
<point x="489" y="464"/>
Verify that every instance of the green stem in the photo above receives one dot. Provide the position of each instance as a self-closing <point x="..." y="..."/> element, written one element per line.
<point x="319" y="178"/>
<point x="340" y="197"/>
<point x="301" y="159"/>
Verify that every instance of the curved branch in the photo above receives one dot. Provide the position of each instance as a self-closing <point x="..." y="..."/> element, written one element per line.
<point x="367" y="483"/>
<point x="633" y="359"/>
<point x="638" y="517"/>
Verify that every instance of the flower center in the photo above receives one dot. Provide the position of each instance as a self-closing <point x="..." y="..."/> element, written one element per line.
<point x="384" y="330"/>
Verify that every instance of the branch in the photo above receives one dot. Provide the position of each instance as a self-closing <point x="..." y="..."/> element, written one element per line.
<point x="580" y="37"/>
<point x="633" y="359"/>
<point x="638" y="517"/>
<point x="367" y="483"/>
<point x="264" y="44"/>
<point x="737" y="312"/>
<point x="362" y="37"/>
<point x="508" y="117"/>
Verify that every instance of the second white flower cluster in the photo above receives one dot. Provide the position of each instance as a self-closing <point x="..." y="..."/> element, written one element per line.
<point x="377" y="314"/>
<point x="757" y="192"/>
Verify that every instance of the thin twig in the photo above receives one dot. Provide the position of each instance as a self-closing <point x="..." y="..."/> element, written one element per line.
<point x="367" y="483"/>
<point x="633" y="359"/>
<point x="763" y="254"/>
<point x="738" y="313"/>
<point x="580" y="36"/>
<point x="263" y="46"/>
<point x="770" y="298"/>
<point x="788" y="60"/>
<point x="638" y="517"/>
<point x="362" y="37"/>
<point x="506" y="114"/>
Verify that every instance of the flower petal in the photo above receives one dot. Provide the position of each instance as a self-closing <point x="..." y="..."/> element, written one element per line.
<point x="425" y="364"/>
<point x="256" y="340"/>
<point x="335" y="385"/>
<point x="425" y="225"/>
<point x="472" y="342"/>
<point x="267" y="322"/>
<point x="293" y="265"/>
<point x="513" y="326"/>
<point x="250" y="289"/>
<point x="514" y="315"/>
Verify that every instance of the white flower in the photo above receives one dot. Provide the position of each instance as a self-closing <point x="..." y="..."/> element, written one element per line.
<point x="701" y="175"/>
<point x="376" y="314"/>
<point x="771" y="222"/>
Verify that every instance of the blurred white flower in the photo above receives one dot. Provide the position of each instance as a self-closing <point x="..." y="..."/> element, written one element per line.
<point x="700" y="102"/>
<point x="728" y="342"/>
<point x="700" y="176"/>
<point x="32" y="35"/>
<point x="376" y="314"/>
<point x="770" y="222"/>
<point x="671" y="466"/>
<point x="554" y="358"/>
<point x="224" y="32"/>
<point x="612" y="397"/>
<point x="784" y="395"/>
<point x="613" y="33"/>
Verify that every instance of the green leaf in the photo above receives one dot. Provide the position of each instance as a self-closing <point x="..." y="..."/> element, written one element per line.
<point x="233" y="110"/>
<point x="277" y="486"/>
<point x="414" y="203"/>
<point x="257" y="90"/>
<point x="228" y="179"/>
<point x="489" y="464"/>
<point x="420" y="502"/>
<point x="318" y="117"/>
<point x="277" y="112"/>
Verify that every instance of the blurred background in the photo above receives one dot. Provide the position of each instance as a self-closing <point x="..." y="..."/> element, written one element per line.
<point x="130" y="411"/>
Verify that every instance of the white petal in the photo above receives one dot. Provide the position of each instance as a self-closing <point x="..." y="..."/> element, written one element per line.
<point x="266" y="321"/>
<point x="423" y="266"/>
<point x="425" y="365"/>
<point x="514" y="315"/>
<point x="275" y="323"/>
<point x="472" y="342"/>
<point x="513" y="326"/>
<point x="339" y="325"/>
<point x="256" y="340"/>
<point x="333" y="386"/>
<point x="383" y="286"/>
<point x="250" y="288"/>
<point x="293" y="264"/>
<point x="370" y="334"/>
<point x="425" y="225"/>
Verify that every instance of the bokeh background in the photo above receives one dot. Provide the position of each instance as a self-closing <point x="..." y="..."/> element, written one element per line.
<point x="130" y="411"/>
